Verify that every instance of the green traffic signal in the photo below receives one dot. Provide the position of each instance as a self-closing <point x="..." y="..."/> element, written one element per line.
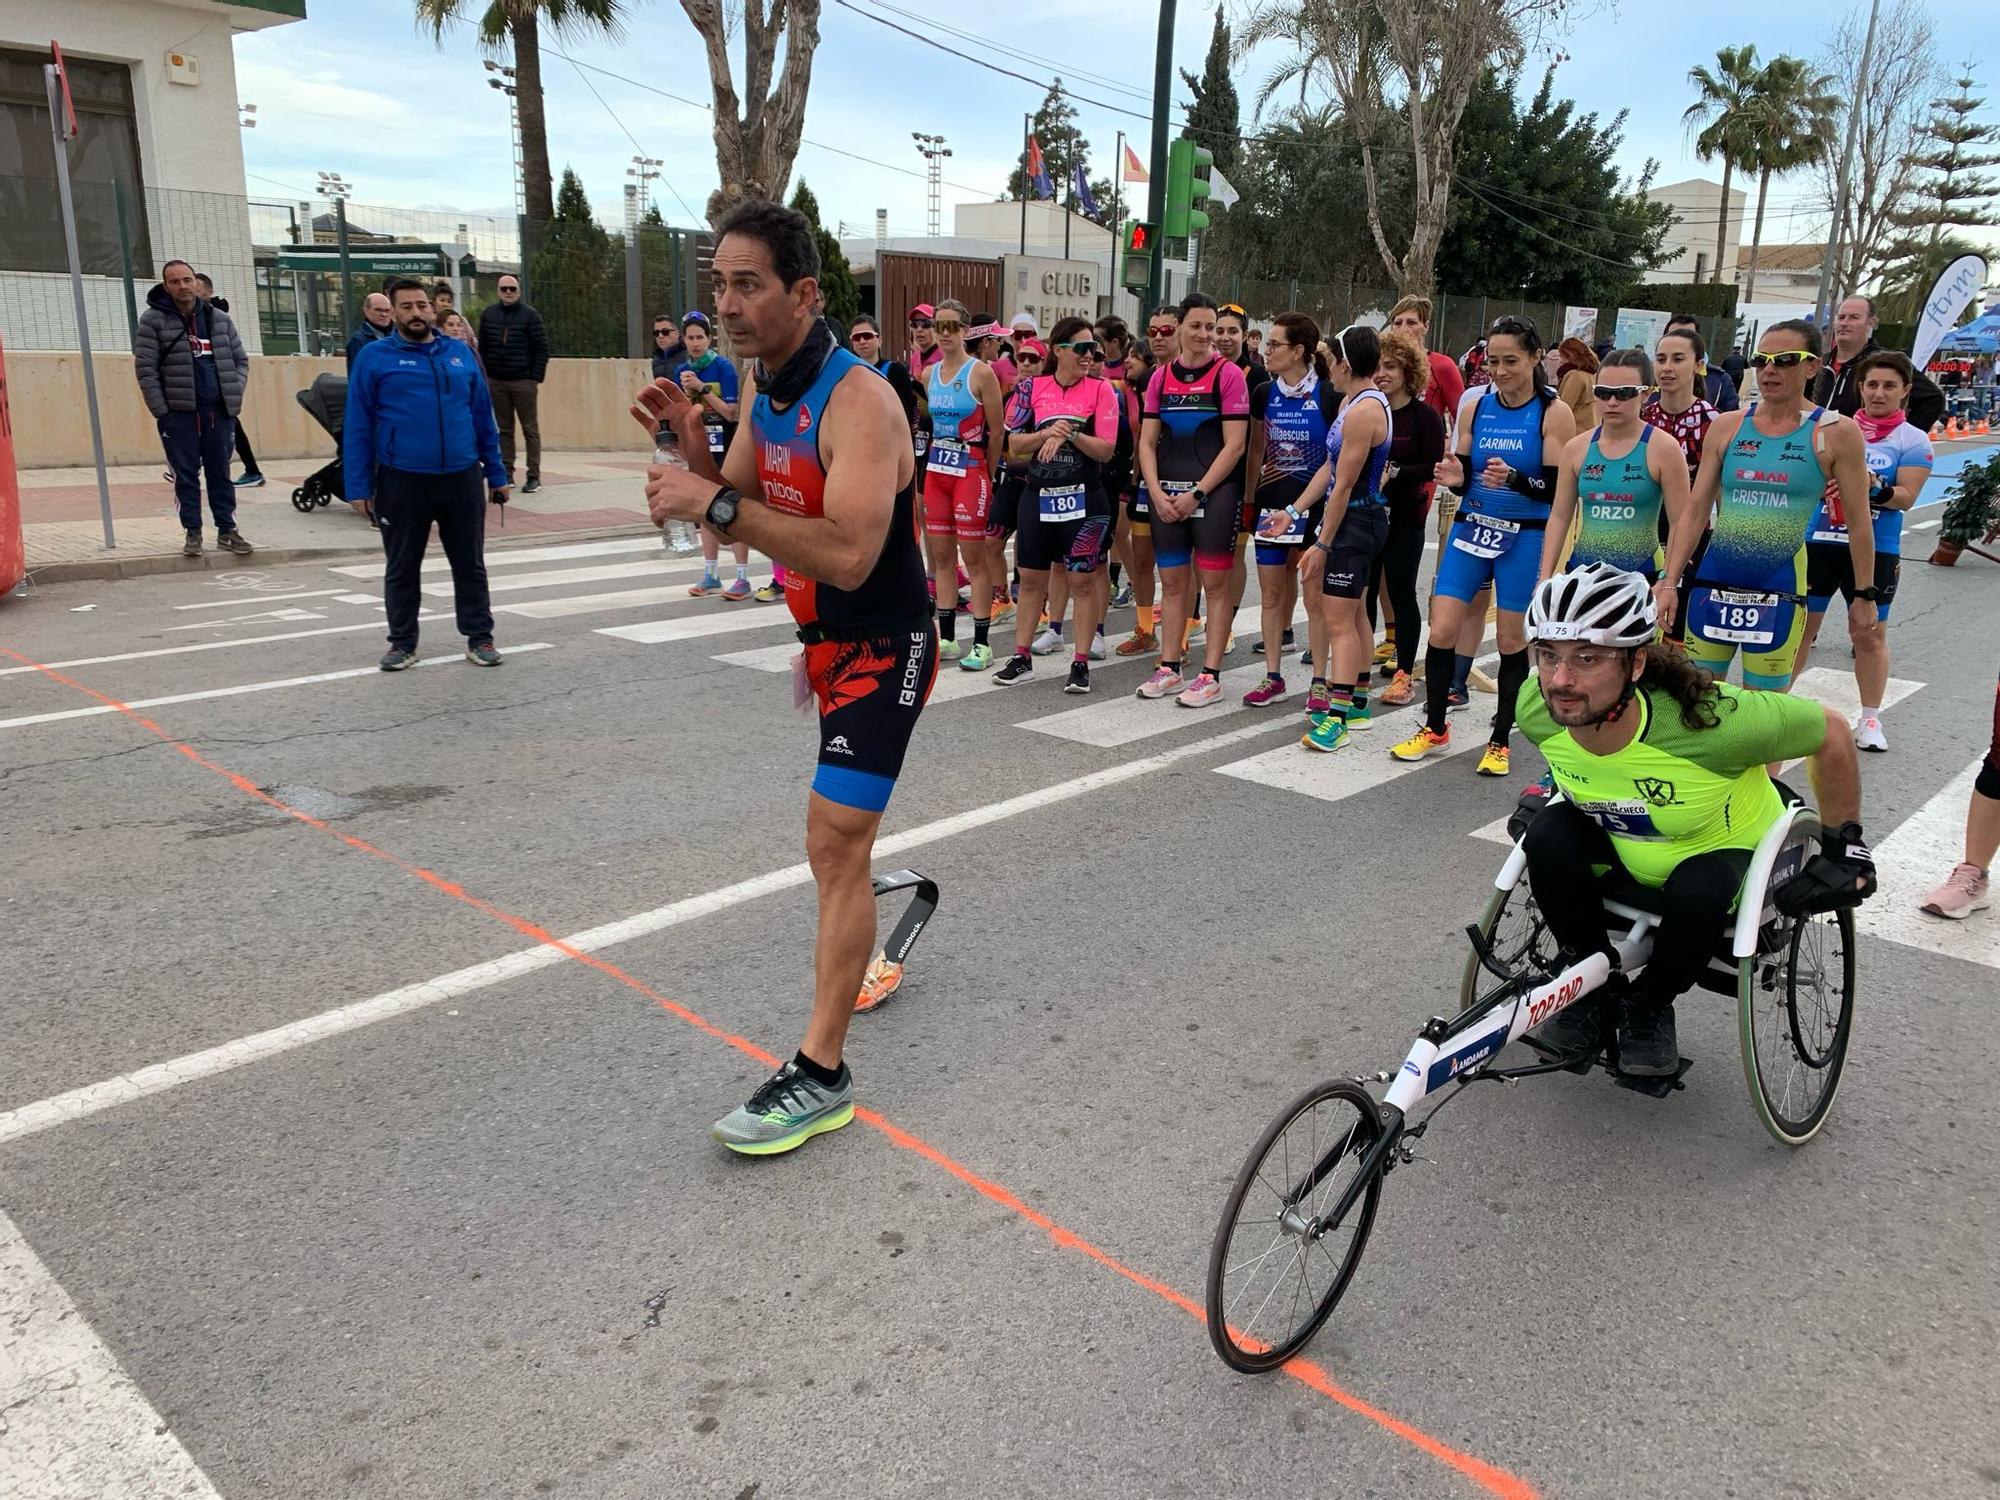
<point x="1187" y="184"/>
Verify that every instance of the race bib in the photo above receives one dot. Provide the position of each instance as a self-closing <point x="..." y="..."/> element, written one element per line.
<point x="1745" y="619"/>
<point x="1181" y="487"/>
<point x="1061" y="503"/>
<point x="1141" y="506"/>
<point x="716" y="446"/>
<point x="1625" y="820"/>
<point x="1485" y="536"/>
<point x="1293" y="534"/>
<point x="1830" y="532"/>
<point x="920" y="442"/>
<point x="950" y="456"/>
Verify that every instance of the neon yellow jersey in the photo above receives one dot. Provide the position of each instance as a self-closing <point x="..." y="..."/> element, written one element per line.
<point x="1675" y="792"/>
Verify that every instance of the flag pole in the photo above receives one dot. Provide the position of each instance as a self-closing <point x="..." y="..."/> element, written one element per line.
<point x="1027" y="130"/>
<point x="1117" y="181"/>
<point x="1069" y="209"/>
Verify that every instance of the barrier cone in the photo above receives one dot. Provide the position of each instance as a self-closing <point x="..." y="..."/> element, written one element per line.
<point x="1951" y="432"/>
<point x="1937" y="432"/>
<point x="1982" y="430"/>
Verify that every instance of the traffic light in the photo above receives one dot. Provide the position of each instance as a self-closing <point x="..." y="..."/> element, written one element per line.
<point x="1139" y="236"/>
<point x="1187" y="185"/>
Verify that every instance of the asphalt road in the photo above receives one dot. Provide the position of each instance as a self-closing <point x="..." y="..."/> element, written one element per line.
<point x="475" y="1241"/>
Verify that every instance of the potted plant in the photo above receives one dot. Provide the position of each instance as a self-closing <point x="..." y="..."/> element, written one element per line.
<point x="1972" y="511"/>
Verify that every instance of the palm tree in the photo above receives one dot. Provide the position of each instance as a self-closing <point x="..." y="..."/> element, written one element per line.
<point x="1724" y="116"/>
<point x="520" y="23"/>
<point x="1792" y="115"/>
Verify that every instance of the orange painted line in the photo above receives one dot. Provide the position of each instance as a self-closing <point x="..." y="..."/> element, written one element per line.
<point x="1495" y="1481"/>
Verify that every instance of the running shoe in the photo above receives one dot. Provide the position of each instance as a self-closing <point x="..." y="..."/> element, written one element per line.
<point x="1421" y="744"/>
<point x="787" y="1110"/>
<point x="1079" y="678"/>
<point x="1194" y="632"/>
<point x="976" y="659"/>
<point x="1098" y="651"/>
<point x="1139" y="643"/>
<point x="1204" y="690"/>
<point x="1329" y="732"/>
<point x="1229" y="645"/>
<point x="1960" y="896"/>
<point x="1647" y="1046"/>
<point x="948" y="650"/>
<point x="771" y="592"/>
<point x="396" y="659"/>
<point x="737" y="590"/>
<point x="1305" y="658"/>
<point x="1317" y="701"/>
<point x="1399" y="692"/>
<point x="1270" y="690"/>
<point x="1385" y="653"/>
<point x="191" y="543"/>
<point x="1165" y="680"/>
<point x="1003" y="609"/>
<point x="1868" y="735"/>
<point x="1493" y="762"/>
<point x="233" y="540"/>
<point x="1455" y="699"/>
<point x="482" y="654"/>
<point x="709" y="584"/>
<point x="1481" y="682"/>
<point x="1123" y="598"/>
<point x="1577" y="1031"/>
<point x="1359" y="718"/>
<point x="878" y="984"/>
<point x="248" y="480"/>
<point x="1047" y="643"/>
<point x="1020" y="667"/>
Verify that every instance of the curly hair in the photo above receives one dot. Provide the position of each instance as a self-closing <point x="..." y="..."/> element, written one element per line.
<point x="1691" y="687"/>
<point x="1402" y="351"/>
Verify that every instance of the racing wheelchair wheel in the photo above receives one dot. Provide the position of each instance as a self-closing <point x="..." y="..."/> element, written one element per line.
<point x="301" y="501"/>
<point x="1513" y="924"/>
<point x="1795" y="1007"/>
<point x="1286" y="1247"/>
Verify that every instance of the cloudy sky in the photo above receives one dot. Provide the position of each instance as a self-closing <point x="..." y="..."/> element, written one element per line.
<point x="357" y="90"/>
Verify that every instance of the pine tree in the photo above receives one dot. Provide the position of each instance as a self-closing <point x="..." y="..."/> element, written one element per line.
<point x="578" y="279"/>
<point x="1063" y="146"/>
<point x="1956" y="190"/>
<point x="1214" y="119"/>
<point x="836" y="277"/>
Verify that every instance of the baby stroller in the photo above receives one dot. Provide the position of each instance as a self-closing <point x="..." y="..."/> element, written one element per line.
<point x="325" y="400"/>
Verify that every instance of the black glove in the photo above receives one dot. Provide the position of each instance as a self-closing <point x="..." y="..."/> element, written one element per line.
<point x="1841" y="875"/>
<point x="1881" y="489"/>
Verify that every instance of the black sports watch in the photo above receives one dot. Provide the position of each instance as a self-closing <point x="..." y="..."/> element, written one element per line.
<point x="721" y="514"/>
<point x="1872" y="594"/>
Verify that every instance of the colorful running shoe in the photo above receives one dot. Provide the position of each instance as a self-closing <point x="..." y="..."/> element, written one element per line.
<point x="1318" y="701"/>
<point x="770" y="593"/>
<point x="1164" y="681"/>
<point x="1194" y="632"/>
<point x="1399" y="692"/>
<point x="1204" y="690"/>
<point x="709" y="584"/>
<point x="976" y="659"/>
<point x="787" y="1110"/>
<point x="1123" y="598"/>
<point x="1047" y="642"/>
<point x="1360" y="718"/>
<point x="1421" y="744"/>
<point x="1481" y="682"/>
<point x="948" y="650"/>
<point x="737" y="590"/>
<point x="1270" y="690"/>
<point x="878" y="984"/>
<point x="1329" y="732"/>
<point x="1003" y="609"/>
<point x="1385" y="653"/>
<point x="1455" y="699"/>
<point x="1139" y="643"/>
<point x="1868" y="735"/>
<point x="1966" y="892"/>
<point x="1493" y="762"/>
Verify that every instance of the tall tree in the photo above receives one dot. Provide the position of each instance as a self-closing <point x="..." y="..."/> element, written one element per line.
<point x="1417" y="59"/>
<point x="518" y="24"/>
<point x="1722" y="113"/>
<point x="1955" y="188"/>
<point x="836" y="277"/>
<point x="1792" y="123"/>
<point x="578" y="271"/>
<point x="1063" y="146"/>
<point x="1908" y="282"/>
<point x="756" y="133"/>
<point x="1214" y="119"/>
<point x="1543" y="214"/>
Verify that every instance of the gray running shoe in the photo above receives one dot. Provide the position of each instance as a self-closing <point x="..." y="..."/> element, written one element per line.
<point x="787" y="1110"/>
<point x="232" y="540"/>
<point x="396" y="659"/>
<point x="482" y="654"/>
<point x="1647" y="1046"/>
<point x="191" y="543"/>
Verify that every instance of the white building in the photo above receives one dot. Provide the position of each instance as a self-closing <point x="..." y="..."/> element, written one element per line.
<point x="158" y="146"/>
<point x="1785" y="273"/>
<point x="1698" y="210"/>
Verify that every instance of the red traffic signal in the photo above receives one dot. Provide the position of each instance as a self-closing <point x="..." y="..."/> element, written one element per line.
<point x="1138" y="237"/>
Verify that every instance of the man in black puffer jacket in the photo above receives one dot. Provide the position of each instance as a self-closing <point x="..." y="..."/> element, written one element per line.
<point x="515" y="348"/>
<point x="191" y="367"/>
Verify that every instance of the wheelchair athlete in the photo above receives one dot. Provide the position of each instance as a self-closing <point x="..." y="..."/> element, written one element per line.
<point x="1662" y="774"/>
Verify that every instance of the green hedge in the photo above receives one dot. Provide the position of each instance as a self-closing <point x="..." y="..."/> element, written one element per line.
<point x="1707" y="299"/>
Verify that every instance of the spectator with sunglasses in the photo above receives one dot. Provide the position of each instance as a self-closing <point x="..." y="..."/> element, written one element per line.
<point x="667" y="351"/>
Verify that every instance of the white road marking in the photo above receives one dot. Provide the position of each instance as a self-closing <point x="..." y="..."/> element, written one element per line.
<point x="374" y="599"/>
<point x="76" y="1426"/>
<point x="1361" y="765"/>
<point x="78" y="1103"/>
<point x="241" y="688"/>
<point x="1913" y="861"/>
<point x="291" y="615"/>
<point x="590" y="604"/>
<point x="261" y="599"/>
<point x="688" y="627"/>
<point x="657" y="566"/>
<point x="248" y="640"/>
<point x="1933" y="522"/>
<point x="1130" y="717"/>
<point x="504" y="558"/>
<point x="779" y="659"/>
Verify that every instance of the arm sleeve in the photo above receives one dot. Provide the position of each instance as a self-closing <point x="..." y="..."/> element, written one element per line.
<point x="538" y="348"/>
<point x="1232" y="393"/>
<point x="146" y="365"/>
<point x="357" y="432"/>
<point x="486" y="433"/>
<point x="1756" y="729"/>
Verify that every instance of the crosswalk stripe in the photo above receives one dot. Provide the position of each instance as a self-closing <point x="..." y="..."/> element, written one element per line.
<point x="505" y="558"/>
<point x="1125" y="719"/>
<point x="689" y="627"/>
<point x="776" y="658"/>
<point x="590" y="604"/>
<point x="656" y="566"/>
<point x="1361" y="765"/>
<point x="1910" y="862"/>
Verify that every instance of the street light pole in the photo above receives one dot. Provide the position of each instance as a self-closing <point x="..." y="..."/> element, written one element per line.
<point x="336" y="188"/>
<point x="1156" y="190"/>
<point x="933" y="150"/>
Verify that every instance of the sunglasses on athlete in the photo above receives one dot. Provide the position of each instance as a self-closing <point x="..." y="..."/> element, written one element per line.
<point x="1618" y="392"/>
<point x="1784" y="359"/>
<point x="1083" y="348"/>
<point x="922" y="323"/>
<point x="949" y="325"/>
<point x="1163" y="330"/>
<point x="862" y="335"/>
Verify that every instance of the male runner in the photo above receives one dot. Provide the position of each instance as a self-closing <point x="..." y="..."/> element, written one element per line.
<point x="821" y="480"/>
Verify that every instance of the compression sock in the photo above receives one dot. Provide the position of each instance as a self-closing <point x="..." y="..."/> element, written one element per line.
<point x="1513" y="675"/>
<point x="1146" y="618"/>
<point x="979" y="629"/>
<point x="1461" y="671"/>
<point x="820" y="1075"/>
<point x="1361" y="691"/>
<point x="1116" y="570"/>
<point x="1437" y="683"/>
<point x="948" y="624"/>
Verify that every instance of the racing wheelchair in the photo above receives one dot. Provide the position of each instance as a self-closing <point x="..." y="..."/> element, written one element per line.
<point x="1296" y="1221"/>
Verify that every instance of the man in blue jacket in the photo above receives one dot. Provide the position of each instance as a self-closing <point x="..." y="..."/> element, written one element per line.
<point x="421" y="448"/>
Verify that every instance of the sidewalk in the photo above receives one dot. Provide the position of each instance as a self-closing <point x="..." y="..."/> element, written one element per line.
<point x="596" y="493"/>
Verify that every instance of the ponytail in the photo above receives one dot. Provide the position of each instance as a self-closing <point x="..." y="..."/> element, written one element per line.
<point x="1304" y="332"/>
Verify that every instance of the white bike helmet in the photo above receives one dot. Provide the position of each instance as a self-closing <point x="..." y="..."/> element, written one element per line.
<point x="1596" y="603"/>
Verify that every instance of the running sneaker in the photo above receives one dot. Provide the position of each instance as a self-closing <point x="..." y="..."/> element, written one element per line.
<point x="709" y="584"/>
<point x="1421" y="744"/>
<point x="482" y="654"/>
<point x="1493" y="762"/>
<point x="1305" y="658"/>
<point x="771" y="592"/>
<point x="1960" y="896"/>
<point x="976" y="659"/>
<point x="787" y="1110"/>
<point x="1647" y="1046"/>
<point x="1139" y="643"/>
<point x="191" y="543"/>
<point x="1047" y="643"/>
<point x="396" y="659"/>
<point x="1317" y="701"/>
<point x="1481" y="682"/>
<point x="1165" y="680"/>
<point x="1123" y="598"/>
<point x="1229" y="645"/>
<point x="878" y="984"/>
<point x="1079" y="678"/>
<point x="948" y="650"/>
<point x="1399" y="692"/>
<point x="1329" y="732"/>
<point x="1020" y="667"/>
<point x="1193" y="633"/>
<point x="1270" y="690"/>
<point x="1204" y="690"/>
<point x="1576" y="1031"/>
<point x="233" y="540"/>
<point x="737" y="590"/>
<point x="1098" y="650"/>
<point x="1455" y="699"/>
<point x="1003" y="609"/>
<point x="1359" y="718"/>
<point x="1868" y="735"/>
<point x="1385" y="653"/>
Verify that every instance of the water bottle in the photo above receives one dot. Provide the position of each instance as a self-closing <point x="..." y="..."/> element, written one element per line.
<point x="678" y="537"/>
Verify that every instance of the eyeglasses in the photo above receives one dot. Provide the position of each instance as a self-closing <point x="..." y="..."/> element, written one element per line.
<point x="1163" y="330"/>
<point x="1579" y="663"/>
<point x="862" y="334"/>
<point x="1785" y="359"/>
<point x="1618" y="392"/>
<point x="506" y="289"/>
<point x="949" y="325"/>
<point x="1085" y="348"/>
<point x="1029" y="359"/>
<point x="1231" y="307"/>
<point x="923" y="323"/>
<point x="660" y="333"/>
